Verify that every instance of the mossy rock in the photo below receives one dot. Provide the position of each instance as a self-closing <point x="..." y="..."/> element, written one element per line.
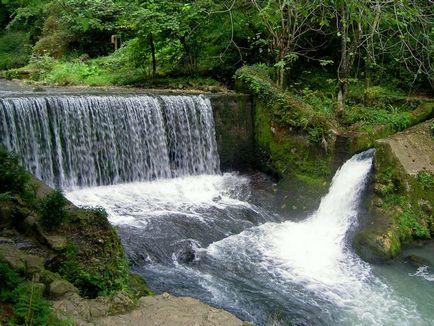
<point x="374" y="246"/>
<point x="58" y="288"/>
<point x="403" y="192"/>
<point x="137" y="286"/>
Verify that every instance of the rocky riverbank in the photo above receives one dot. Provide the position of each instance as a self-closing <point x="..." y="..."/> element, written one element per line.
<point x="74" y="262"/>
<point x="402" y="202"/>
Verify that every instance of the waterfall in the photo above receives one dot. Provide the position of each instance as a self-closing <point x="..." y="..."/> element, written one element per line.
<point x="84" y="141"/>
<point x="311" y="263"/>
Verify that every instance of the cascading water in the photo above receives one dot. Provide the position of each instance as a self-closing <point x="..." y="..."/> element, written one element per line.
<point x="200" y="236"/>
<point x="77" y="141"/>
<point x="192" y="231"/>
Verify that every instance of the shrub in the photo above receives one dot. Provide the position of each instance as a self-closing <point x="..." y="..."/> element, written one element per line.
<point x="410" y="226"/>
<point x="14" y="50"/>
<point x="426" y="180"/>
<point x="54" y="45"/>
<point x="29" y="306"/>
<point x="13" y="177"/>
<point x="52" y="210"/>
<point x="90" y="285"/>
<point x="9" y="280"/>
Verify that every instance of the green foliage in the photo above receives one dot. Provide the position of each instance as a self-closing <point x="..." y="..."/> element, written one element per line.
<point x="29" y="306"/>
<point x="14" y="50"/>
<point x="93" y="284"/>
<point x="397" y="117"/>
<point x="52" y="211"/>
<point x="90" y="285"/>
<point x="287" y="110"/>
<point x="410" y="226"/>
<point x="13" y="177"/>
<point x="9" y="280"/>
<point x="426" y="180"/>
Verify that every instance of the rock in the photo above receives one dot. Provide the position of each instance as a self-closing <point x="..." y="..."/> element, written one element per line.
<point x="72" y="307"/>
<point x="158" y="310"/>
<point x="418" y="261"/>
<point x="56" y="242"/>
<point x="59" y="288"/>
<point x="47" y="277"/>
<point x="374" y="245"/>
<point x="33" y="263"/>
<point x="120" y="303"/>
<point x="6" y="241"/>
<point x="30" y="221"/>
<point x="38" y="89"/>
<point x="39" y="287"/>
<point x="98" y="308"/>
<point x="19" y="260"/>
<point x="6" y="211"/>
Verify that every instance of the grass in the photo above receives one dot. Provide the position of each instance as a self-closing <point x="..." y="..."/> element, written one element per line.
<point x="366" y="117"/>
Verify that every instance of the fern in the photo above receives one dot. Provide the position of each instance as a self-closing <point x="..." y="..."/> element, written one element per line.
<point x="31" y="308"/>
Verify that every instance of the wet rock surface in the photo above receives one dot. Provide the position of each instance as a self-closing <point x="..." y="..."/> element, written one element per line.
<point x="413" y="148"/>
<point x="401" y="204"/>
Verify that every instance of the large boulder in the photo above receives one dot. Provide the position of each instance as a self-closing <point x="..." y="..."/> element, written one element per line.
<point x="401" y="205"/>
<point x="58" y="288"/>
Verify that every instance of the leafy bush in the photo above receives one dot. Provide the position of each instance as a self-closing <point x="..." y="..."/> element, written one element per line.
<point x="90" y="285"/>
<point x="13" y="177"/>
<point x="9" y="280"/>
<point x="52" y="210"/>
<point x="29" y="306"/>
<point x="14" y="50"/>
<point x="410" y="227"/>
<point x="426" y="180"/>
<point x="396" y="117"/>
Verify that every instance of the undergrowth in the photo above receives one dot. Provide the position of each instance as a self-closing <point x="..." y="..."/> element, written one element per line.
<point x="52" y="211"/>
<point x="286" y="108"/>
<point x="26" y="298"/>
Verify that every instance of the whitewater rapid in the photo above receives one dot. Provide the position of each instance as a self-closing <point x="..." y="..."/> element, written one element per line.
<point x="247" y="260"/>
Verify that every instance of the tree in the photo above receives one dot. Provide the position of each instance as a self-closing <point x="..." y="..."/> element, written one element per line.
<point x="288" y="23"/>
<point x="407" y="37"/>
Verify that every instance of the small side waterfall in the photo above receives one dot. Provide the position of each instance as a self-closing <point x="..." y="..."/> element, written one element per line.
<point x="82" y="141"/>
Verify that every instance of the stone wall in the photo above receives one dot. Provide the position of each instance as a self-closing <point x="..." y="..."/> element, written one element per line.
<point x="233" y="115"/>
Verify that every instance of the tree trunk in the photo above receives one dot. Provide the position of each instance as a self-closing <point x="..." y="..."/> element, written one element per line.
<point x="188" y="54"/>
<point x="342" y="71"/>
<point x="342" y="89"/>
<point x="154" y="61"/>
<point x="367" y="81"/>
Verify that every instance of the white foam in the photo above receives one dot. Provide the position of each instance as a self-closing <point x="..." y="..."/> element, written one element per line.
<point x="315" y="255"/>
<point x="423" y="272"/>
<point x="134" y="203"/>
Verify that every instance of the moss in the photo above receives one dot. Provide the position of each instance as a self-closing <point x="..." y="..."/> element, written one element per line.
<point x="137" y="287"/>
<point x="371" y="124"/>
<point x="402" y="203"/>
<point x="94" y="260"/>
<point x="285" y="108"/>
<point x="283" y="151"/>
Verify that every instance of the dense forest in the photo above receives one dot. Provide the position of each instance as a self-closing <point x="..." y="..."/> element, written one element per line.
<point x="331" y="43"/>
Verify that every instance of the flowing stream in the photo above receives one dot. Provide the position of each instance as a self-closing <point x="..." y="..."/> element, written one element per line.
<point x="191" y="230"/>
